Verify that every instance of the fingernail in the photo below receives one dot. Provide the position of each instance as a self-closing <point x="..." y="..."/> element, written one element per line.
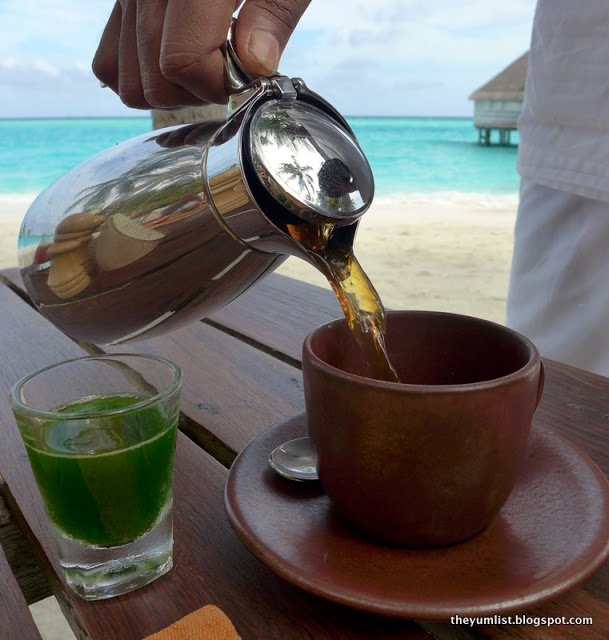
<point x="264" y="47"/>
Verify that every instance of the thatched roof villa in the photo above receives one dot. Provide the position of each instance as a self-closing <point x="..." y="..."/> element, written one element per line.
<point x="497" y="104"/>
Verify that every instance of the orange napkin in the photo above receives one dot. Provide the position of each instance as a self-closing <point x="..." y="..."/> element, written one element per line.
<point x="206" y="623"/>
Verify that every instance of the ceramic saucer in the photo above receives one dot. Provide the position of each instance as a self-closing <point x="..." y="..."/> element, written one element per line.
<point x="551" y="534"/>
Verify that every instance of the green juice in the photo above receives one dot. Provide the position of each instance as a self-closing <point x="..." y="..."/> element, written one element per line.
<point x="105" y="481"/>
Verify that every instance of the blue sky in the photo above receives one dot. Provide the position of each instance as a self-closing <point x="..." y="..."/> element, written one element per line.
<point x="378" y="57"/>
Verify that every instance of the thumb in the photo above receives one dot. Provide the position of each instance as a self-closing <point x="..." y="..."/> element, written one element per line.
<point x="263" y="30"/>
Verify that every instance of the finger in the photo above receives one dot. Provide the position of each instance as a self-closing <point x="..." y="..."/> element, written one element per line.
<point x="158" y="91"/>
<point x="190" y="55"/>
<point x="129" y="81"/>
<point x="263" y="29"/>
<point x="105" y="61"/>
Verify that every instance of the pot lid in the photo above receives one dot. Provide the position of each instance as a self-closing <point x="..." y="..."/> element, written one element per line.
<point x="308" y="162"/>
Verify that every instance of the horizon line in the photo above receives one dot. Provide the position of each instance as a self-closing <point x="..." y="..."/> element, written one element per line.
<point x="141" y="117"/>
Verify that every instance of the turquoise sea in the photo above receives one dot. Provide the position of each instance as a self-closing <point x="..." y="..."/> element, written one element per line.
<point x="408" y="155"/>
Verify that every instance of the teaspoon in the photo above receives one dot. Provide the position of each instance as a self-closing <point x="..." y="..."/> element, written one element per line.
<point x="295" y="460"/>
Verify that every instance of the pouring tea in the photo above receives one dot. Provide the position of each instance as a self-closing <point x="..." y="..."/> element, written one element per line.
<point x="167" y="227"/>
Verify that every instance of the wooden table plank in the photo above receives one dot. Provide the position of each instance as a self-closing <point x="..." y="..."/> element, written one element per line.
<point x="20" y="556"/>
<point x="575" y="403"/>
<point x="263" y="312"/>
<point x="12" y="276"/>
<point x="211" y="564"/>
<point x="15" y="618"/>
<point x="231" y="390"/>
<point x="222" y="417"/>
<point x="278" y="312"/>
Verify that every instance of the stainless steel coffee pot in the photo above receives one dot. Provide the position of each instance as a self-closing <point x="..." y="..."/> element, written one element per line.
<point x="169" y="226"/>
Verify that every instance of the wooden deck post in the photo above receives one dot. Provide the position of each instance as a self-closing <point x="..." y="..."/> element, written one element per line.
<point x="485" y="135"/>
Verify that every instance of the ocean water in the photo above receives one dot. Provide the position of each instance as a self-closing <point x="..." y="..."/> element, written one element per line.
<point x="430" y="155"/>
<point x="407" y="155"/>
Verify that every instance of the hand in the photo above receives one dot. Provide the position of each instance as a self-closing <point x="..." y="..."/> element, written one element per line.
<point x="166" y="53"/>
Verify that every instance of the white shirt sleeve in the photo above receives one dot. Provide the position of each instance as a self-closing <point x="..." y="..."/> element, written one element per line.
<point x="564" y="125"/>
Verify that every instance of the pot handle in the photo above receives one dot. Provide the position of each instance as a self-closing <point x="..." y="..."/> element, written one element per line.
<point x="542" y="378"/>
<point x="236" y="78"/>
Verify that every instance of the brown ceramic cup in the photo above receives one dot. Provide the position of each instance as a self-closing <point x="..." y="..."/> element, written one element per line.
<point x="429" y="461"/>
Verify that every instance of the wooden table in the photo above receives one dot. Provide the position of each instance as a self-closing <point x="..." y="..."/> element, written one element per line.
<point x="242" y="375"/>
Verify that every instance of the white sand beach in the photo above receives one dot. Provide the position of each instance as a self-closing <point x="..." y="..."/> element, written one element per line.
<point x="12" y="209"/>
<point x="448" y="252"/>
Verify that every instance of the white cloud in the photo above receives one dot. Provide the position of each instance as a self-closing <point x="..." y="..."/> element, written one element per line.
<point x="381" y="56"/>
<point x="45" y="67"/>
<point x="61" y="31"/>
<point x="36" y="90"/>
<point x="339" y="15"/>
<point x="46" y="50"/>
<point x="398" y="48"/>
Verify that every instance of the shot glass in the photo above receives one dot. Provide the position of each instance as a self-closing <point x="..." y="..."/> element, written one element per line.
<point x="100" y="435"/>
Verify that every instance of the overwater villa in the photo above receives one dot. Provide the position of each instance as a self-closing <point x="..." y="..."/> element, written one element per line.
<point x="497" y="104"/>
